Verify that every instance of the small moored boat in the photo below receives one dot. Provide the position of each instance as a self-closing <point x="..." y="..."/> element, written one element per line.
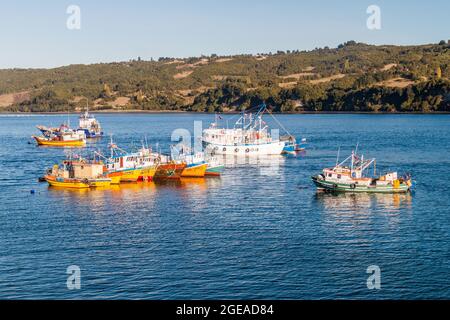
<point x="169" y="169"/>
<point x="60" y="137"/>
<point x="78" y="174"/>
<point x="131" y="167"/>
<point x="59" y="141"/>
<point x="348" y="176"/>
<point x="291" y="146"/>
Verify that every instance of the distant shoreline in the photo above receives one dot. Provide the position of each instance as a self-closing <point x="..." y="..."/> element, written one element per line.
<point x="231" y="113"/>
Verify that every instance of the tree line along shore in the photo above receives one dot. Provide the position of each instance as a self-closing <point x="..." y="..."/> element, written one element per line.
<point x="354" y="77"/>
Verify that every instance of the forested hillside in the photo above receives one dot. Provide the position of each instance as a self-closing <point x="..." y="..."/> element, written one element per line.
<point x="352" y="77"/>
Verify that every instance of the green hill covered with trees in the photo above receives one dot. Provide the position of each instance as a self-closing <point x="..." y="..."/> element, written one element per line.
<point x="354" y="77"/>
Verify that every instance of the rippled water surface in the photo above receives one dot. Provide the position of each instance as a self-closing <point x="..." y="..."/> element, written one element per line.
<point x="259" y="232"/>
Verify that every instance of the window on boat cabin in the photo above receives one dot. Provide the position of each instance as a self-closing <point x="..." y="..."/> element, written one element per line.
<point x="339" y="176"/>
<point x="330" y="175"/>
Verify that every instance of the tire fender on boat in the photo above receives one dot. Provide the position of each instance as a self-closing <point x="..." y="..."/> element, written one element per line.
<point x="352" y="186"/>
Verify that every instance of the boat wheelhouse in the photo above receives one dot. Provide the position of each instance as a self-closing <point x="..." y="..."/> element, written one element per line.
<point x="349" y="176"/>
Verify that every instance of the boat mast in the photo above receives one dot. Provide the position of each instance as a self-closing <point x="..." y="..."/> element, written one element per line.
<point x="353" y="156"/>
<point x="337" y="158"/>
<point x="111" y="146"/>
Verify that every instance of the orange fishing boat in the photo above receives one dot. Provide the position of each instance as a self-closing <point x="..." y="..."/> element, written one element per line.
<point x="170" y="170"/>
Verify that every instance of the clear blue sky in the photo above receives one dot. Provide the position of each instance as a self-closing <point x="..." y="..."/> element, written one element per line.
<point x="34" y="34"/>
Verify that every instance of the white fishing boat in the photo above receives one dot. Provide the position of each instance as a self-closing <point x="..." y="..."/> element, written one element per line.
<point x="89" y="125"/>
<point x="249" y="136"/>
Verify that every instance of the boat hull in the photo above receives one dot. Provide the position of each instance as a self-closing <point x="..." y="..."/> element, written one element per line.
<point x="274" y="148"/>
<point x="170" y="171"/>
<point x="67" y="184"/>
<point x="100" y="183"/>
<point x="55" y="143"/>
<point x="289" y="149"/>
<point x="116" y="177"/>
<point x="147" y="173"/>
<point x="130" y="175"/>
<point x="92" y="134"/>
<point x="194" y="171"/>
<point x="214" y="171"/>
<point x="341" y="187"/>
<point x="77" y="183"/>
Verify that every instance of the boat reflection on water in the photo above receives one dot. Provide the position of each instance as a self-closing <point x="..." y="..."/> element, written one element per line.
<point x="267" y="165"/>
<point x="356" y="202"/>
<point x="125" y="190"/>
<point x="231" y="161"/>
<point x="357" y="209"/>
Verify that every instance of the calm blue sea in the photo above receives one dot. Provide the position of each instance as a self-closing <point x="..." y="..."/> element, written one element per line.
<point x="259" y="232"/>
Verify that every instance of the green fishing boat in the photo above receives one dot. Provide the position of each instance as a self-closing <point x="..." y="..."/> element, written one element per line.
<point x="349" y="176"/>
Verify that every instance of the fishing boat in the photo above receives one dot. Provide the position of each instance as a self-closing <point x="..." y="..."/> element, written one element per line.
<point x="131" y="167"/>
<point x="195" y="163"/>
<point x="168" y="167"/>
<point x="89" y="125"/>
<point x="63" y="140"/>
<point x="249" y="136"/>
<point x="195" y="166"/>
<point x="291" y="146"/>
<point x="60" y="137"/>
<point x="299" y="147"/>
<point x="170" y="170"/>
<point x="78" y="174"/>
<point x="348" y="176"/>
